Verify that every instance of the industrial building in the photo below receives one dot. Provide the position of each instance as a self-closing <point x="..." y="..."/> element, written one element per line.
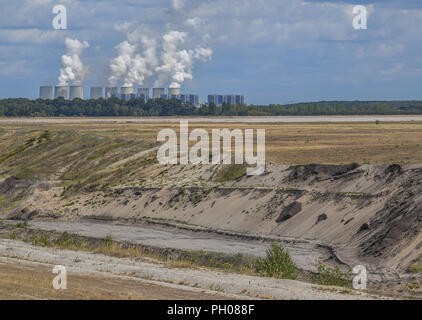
<point x="229" y="99"/>
<point x="185" y="98"/>
<point x="96" y="93"/>
<point x="111" y="92"/>
<point x="61" y="91"/>
<point x="46" y="92"/>
<point x="157" y="92"/>
<point x="76" y="92"/>
<point x="143" y="93"/>
<point x="126" y="90"/>
<point x="192" y="98"/>
<point x="174" y="92"/>
<point x="127" y="93"/>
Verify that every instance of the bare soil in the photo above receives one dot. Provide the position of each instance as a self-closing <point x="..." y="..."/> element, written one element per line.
<point x="200" y="282"/>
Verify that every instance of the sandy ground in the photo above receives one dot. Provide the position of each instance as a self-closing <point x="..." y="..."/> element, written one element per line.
<point x="272" y="119"/>
<point x="306" y="257"/>
<point x="21" y="279"/>
<point x="94" y="265"/>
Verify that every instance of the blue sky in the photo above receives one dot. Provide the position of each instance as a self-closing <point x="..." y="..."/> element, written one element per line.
<point x="272" y="51"/>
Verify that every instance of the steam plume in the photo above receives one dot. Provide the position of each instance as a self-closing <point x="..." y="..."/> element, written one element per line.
<point x="178" y="64"/>
<point x="73" y="70"/>
<point x="131" y="67"/>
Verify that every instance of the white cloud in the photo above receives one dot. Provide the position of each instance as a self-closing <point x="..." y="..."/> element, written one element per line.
<point x="19" y="67"/>
<point x="28" y="36"/>
<point x="178" y="4"/>
<point x="306" y="37"/>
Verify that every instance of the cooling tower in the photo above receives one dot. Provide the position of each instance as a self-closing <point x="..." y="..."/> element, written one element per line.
<point x="61" y="91"/>
<point x="111" y="91"/>
<point x="143" y="91"/>
<point x="126" y="90"/>
<point x="46" y="92"/>
<point x="157" y="92"/>
<point x="76" y="92"/>
<point x="174" y="91"/>
<point x="96" y="92"/>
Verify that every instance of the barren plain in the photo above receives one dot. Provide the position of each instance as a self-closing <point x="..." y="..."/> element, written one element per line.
<point x="336" y="194"/>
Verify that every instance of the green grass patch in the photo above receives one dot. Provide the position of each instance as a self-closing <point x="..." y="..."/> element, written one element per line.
<point x="332" y="277"/>
<point x="417" y="266"/>
<point x="230" y="172"/>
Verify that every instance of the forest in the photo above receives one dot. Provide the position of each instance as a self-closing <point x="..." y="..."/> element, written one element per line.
<point x="114" y="107"/>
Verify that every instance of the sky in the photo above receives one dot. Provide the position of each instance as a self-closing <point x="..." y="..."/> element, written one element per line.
<point x="272" y="51"/>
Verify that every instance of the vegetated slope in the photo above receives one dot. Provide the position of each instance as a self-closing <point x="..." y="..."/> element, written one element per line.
<point x="369" y="213"/>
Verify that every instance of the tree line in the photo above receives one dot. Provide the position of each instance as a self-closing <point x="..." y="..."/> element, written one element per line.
<point x="115" y="107"/>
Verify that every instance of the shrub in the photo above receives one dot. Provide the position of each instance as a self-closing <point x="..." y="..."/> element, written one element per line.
<point x="43" y="240"/>
<point x="417" y="266"/>
<point x="66" y="240"/>
<point x="332" y="277"/>
<point x="108" y="241"/>
<point x="277" y="263"/>
<point x="21" y="225"/>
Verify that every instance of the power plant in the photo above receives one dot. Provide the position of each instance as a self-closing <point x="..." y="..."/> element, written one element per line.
<point x="76" y="92"/>
<point x="46" y="92"/>
<point x="111" y="92"/>
<point x="96" y="93"/>
<point x="126" y="90"/>
<point x="127" y="93"/>
<point x="61" y="91"/>
<point x="219" y="100"/>
<point x="174" y="92"/>
<point x="157" y="92"/>
<point x="143" y="93"/>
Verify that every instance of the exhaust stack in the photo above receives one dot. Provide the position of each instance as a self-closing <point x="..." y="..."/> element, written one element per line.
<point x="46" y="92"/>
<point x="174" y="92"/>
<point x="111" y="92"/>
<point x="76" y="92"/>
<point x="96" y="92"/>
<point x="61" y="91"/>
<point x="157" y="92"/>
<point x="126" y="90"/>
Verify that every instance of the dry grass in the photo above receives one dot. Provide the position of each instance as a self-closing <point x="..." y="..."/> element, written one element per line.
<point x="107" y="246"/>
<point x="230" y="172"/>
<point x="34" y="281"/>
<point x="288" y="143"/>
<point x="82" y="157"/>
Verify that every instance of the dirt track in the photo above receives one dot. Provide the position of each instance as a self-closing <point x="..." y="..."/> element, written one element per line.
<point x="21" y="279"/>
<point x="305" y="256"/>
<point x="194" y="280"/>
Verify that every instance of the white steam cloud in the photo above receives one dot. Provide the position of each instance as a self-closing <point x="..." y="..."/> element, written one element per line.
<point x="131" y="67"/>
<point x="73" y="70"/>
<point x="171" y="67"/>
<point x="120" y="65"/>
<point x="177" y="64"/>
<point x="163" y="58"/>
